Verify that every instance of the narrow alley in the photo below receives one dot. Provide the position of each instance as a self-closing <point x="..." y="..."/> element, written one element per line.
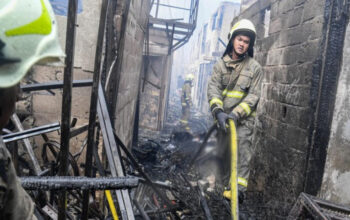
<point x="174" y="109"/>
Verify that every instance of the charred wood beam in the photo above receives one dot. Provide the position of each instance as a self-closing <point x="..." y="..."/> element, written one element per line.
<point x="159" y="184"/>
<point x="77" y="183"/>
<point x="204" y="203"/>
<point x="317" y="208"/>
<point x="93" y="102"/>
<point x="78" y="131"/>
<point x="140" y="170"/>
<point x="156" y="212"/>
<point x="54" y="85"/>
<point x="67" y="100"/>
<point x="31" y="132"/>
<point x="141" y="210"/>
<point x="151" y="83"/>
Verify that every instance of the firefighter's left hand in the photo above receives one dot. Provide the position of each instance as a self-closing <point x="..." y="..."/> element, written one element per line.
<point x="234" y="117"/>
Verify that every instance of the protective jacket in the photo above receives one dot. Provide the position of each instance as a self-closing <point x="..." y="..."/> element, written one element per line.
<point x="235" y="86"/>
<point x="186" y="103"/>
<point x="186" y="94"/>
<point x="15" y="203"/>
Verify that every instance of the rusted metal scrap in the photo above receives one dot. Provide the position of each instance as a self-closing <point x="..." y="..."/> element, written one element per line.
<point x="310" y="207"/>
<point x="82" y="183"/>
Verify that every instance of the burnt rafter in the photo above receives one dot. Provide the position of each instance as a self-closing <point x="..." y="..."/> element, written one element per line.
<point x="177" y="32"/>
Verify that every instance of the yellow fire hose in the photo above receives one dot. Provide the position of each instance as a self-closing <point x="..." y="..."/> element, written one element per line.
<point x="233" y="178"/>
<point x="111" y="204"/>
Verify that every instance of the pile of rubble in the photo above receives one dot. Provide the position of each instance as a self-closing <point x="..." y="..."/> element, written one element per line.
<point x="193" y="195"/>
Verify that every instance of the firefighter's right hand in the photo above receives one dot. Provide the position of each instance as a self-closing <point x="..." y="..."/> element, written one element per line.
<point x="221" y="118"/>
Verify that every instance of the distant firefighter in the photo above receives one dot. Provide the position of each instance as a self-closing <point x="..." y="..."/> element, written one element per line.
<point x="186" y="100"/>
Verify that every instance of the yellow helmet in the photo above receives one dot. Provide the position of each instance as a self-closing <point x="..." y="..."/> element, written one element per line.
<point x="246" y="27"/>
<point x="189" y="77"/>
<point x="28" y="34"/>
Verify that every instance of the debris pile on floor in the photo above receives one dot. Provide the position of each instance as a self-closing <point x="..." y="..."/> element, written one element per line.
<point x="165" y="158"/>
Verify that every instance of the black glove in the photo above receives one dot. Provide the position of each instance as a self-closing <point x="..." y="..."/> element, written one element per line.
<point x="234" y="117"/>
<point x="222" y="117"/>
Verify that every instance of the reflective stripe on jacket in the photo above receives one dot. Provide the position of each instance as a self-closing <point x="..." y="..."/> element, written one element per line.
<point x="235" y="86"/>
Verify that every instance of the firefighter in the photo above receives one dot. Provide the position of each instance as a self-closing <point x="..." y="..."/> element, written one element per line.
<point x="28" y="34"/>
<point x="186" y="100"/>
<point x="233" y="93"/>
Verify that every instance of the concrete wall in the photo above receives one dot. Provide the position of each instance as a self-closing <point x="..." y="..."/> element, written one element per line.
<point x="290" y="35"/>
<point x="44" y="107"/>
<point x="130" y="74"/>
<point x="336" y="180"/>
<point x="246" y="4"/>
<point x="86" y="34"/>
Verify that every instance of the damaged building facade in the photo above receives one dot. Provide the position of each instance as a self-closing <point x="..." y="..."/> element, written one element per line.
<point x="302" y="122"/>
<point x="206" y="47"/>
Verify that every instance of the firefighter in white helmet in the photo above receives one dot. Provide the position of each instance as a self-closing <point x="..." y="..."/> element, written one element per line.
<point x="28" y="35"/>
<point x="234" y="92"/>
<point x="186" y="100"/>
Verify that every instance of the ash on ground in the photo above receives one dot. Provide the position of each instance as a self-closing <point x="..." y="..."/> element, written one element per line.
<point x="165" y="157"/>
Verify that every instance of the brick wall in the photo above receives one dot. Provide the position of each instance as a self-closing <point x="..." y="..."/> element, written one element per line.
<point x="290" y="35"/>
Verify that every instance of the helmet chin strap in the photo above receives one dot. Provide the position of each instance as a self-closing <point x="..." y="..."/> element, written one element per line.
<point x="239" y="55"/>
<point x="3" y="59"/>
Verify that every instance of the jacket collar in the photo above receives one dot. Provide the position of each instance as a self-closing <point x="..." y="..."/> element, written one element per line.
<point x="229" y="62"/>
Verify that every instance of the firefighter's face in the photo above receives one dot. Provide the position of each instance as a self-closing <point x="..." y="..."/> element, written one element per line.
<point x="241" y="44"/>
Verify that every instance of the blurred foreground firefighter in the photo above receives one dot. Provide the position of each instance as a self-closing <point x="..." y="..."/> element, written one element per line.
<point x="186" y="101"/>
<point x="28" y="35"/>
<point x="234" y="92"/>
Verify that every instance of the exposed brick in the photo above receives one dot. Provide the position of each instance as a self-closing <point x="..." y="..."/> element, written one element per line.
<point x="264" y="3"/>
<point x="313" y="8"/>
<point x="299" y="2"/>
<point x="270" y="72"/>
<point x="279" y="170"/>
<point x="295" y="16"/>
<point x="274" y="57"/>
<point x="261" y="57"/>
<point x="275" y="13"/>
<point x="297" y="74"/>
<point x="289" y="136"/>
<point x="275" y="26"/>
<point x="291" y="37"/>
<point x="296" y="116"/>
<point x="312" y="49"/>
<point x="285" y="6"/>
<point x="314" y="27"/>
<point x="292" y="55"/>
<point x="289" y="94"/>
<point x="252" y="10"/>
<point x="268" y="43"/>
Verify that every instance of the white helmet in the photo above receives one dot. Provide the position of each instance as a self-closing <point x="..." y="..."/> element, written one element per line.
<point x="28" y="34"/>
<point x="244" y="26"/>
<point x="189" y="77"/>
